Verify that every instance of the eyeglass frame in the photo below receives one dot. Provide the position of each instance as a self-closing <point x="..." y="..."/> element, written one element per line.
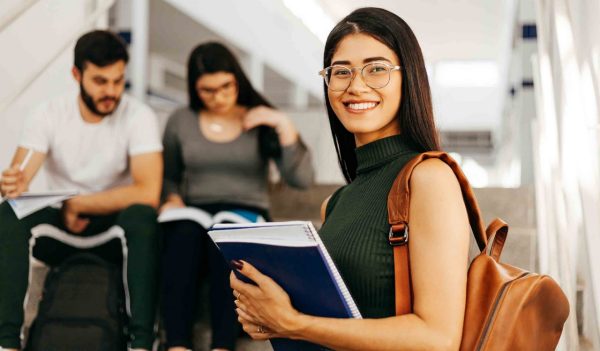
<point x="212" y="92"/>
<point x="323" y="74"/>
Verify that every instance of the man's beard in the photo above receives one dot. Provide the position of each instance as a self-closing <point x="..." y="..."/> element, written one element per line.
<point x="88" y="100"/>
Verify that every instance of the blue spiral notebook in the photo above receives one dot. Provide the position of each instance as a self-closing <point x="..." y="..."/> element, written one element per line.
<point x="293" y="255"/>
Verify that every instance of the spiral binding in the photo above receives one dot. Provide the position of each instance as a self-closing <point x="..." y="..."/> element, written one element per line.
<point x="312" y="233"/>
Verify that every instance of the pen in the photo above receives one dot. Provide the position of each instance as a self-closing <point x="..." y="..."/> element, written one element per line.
<point x="25" y="160"/>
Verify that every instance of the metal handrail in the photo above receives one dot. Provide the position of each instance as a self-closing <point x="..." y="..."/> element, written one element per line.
<point x="11" y="15"/>
<point x="32" y="77"/>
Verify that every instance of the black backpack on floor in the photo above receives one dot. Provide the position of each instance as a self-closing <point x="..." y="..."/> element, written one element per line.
<point x="82" y="308"/>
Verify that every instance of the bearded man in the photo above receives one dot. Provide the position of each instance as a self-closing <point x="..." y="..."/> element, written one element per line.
<point x="107" y="146"/>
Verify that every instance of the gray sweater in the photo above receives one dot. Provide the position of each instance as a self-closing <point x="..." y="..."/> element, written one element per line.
<point x="206" y="172"/>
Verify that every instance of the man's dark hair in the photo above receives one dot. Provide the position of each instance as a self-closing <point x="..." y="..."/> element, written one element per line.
<point x="100" y="47"/>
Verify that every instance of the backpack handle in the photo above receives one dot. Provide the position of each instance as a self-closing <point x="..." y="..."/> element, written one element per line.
<point x="496" y="233"/>
<point x="398" y="208"/>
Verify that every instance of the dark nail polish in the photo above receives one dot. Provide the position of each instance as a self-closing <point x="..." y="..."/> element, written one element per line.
<point x="235" y="264"/>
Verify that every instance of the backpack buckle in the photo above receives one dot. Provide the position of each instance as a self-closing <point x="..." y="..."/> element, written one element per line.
<point x="398" y="234"/>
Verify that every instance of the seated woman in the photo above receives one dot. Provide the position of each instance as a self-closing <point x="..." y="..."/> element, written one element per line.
<point x="380" y="110"/>
<point x="217" y="153"/>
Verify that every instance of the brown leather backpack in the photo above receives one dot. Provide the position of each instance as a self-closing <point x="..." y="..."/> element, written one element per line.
<point x="507" y="308"/>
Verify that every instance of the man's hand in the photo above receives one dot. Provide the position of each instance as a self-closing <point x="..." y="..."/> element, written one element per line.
<point x="71" y="219"/>
<point x="12" y="183"/>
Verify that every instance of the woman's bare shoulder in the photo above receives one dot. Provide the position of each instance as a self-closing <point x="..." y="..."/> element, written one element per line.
<point x="433" y="173"/>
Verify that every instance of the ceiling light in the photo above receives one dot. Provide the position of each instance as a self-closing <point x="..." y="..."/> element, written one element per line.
<point x="312" y="15"/>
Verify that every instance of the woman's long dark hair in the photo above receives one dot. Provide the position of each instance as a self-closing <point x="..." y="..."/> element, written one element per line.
<point x="212" y="57"/>
<point x="415" y="114"/>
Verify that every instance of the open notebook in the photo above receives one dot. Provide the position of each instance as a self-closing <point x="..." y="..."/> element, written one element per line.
<point x="205" y="219"/>
<point x="293" y="255"/>
<point x="30" y="202"/>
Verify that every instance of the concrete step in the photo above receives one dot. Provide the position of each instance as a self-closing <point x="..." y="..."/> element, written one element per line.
<point x="515" y="206"/>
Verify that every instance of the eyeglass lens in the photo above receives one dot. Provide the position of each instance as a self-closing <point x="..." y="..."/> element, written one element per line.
<point x="375" y="75"/>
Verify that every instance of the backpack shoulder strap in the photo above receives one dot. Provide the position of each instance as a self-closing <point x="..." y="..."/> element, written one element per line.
<point x="398" y="210"/>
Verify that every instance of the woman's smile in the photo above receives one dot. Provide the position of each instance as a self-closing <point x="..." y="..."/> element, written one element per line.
<point x="358" y="106"/>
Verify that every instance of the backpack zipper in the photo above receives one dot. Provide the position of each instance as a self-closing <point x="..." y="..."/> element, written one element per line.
<point x="488" y="323"/>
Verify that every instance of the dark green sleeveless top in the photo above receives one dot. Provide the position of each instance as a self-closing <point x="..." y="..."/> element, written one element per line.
<point x="356" y="227"/>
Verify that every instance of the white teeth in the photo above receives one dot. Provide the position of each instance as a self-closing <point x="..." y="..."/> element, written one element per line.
<point x="362" y="105"/>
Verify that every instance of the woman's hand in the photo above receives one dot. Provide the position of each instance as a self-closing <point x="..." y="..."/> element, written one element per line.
<point x="173" y="201"/>
<point x="264" y="309"/>
<point x="262" y="115"/>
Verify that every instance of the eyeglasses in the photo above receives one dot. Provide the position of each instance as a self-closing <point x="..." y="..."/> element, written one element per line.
<point x="226" y="88"/>
<point x="376" y="75"/>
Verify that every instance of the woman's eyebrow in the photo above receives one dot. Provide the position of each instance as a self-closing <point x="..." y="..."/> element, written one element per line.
<point x="340" y="63"/>
<point x="367" y="60"/>
<point x="377" y="58"/>
<point x="217" y="87"/>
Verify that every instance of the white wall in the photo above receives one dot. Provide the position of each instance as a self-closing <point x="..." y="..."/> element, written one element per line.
<point x="567" y="157"/>
<point x="313" y="125"/>
<point x="267" y="30"/>
<point x="467" y="108"/>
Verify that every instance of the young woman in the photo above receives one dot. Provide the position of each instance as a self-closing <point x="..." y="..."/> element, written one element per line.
<point x="379" y="107"/>
<point x="216" y="158"/>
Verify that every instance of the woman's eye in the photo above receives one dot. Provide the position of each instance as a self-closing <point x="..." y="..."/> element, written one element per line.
<point x="378" y="69"/>
<point x="341" y="73"/>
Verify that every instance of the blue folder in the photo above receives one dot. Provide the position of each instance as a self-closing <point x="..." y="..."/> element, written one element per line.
<point x="292" y="254"/>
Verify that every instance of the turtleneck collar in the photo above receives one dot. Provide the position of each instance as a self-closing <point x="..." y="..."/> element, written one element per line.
<point x="380" y="152"/>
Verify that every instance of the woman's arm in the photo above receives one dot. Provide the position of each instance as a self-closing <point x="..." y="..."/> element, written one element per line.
<point x="295" y="165"/>
<point x="295" y="162"/>
<point x="439" y="240"/>
<point x="266" y="116"/>
<point x="173" y="161"/>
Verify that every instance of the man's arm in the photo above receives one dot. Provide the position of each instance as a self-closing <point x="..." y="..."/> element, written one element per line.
<point x="146" y="171"/>
<point x="14" y="181"/>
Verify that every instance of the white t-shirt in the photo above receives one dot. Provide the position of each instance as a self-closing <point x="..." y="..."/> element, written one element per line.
<point x="90" y="157"/>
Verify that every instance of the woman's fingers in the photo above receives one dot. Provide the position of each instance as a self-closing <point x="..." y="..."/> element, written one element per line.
<point x="252" y="273"/>
<point x="265" y="304"/>
<point x="277" y="120"/>
<point x="265" y="288"/>
<point x="170" y="204"/>
<point x="256" y="330"/>
<point x="242" y="288"/>
<point x="261" y="115"/>
<point x="245" y="315"/>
